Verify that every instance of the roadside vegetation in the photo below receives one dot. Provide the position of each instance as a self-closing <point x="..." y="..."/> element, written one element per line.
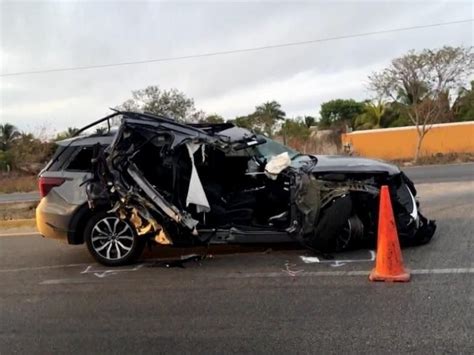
<point x="417" y="89"/>
<point x="18" y="182"/>
<point x="22" y="155"/>
<point x="435" y="159"/>
<point x="13" y="212"/>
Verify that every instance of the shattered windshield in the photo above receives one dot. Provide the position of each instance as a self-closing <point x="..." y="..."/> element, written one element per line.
<point x="271" y="148"/>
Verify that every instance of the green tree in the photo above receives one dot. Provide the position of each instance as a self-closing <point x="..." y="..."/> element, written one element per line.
<point x="29" y="153"/>
<point x="248" y="122"/>
<point x="264" y="120"/>
<point x="309" y="121"/>
<point x="8" y="133"/>
<point x="267" y="115"/>
<point x="294" y="129"/>
<point x="214" y="118"/>
<point x="340" y="112"/>
<point x="5" y="160"/>
<point x="70" y="132"/>
<point x="393" y="116"/>
<point x="371" y="117"/>
<point x="171" y="103"/>
<point x="463" y="107"/>
<point x="421" y="84"/>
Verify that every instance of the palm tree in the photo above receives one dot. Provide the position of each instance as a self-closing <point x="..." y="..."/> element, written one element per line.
<point x="370" y="118"/>
<point x="70" y="132"/>
<point x="375" y="111"/>
<point x="100" y="131"/>
<point x="8" y="133"/>
<point x="214" y="118"/>
<point x="268" y="114"/>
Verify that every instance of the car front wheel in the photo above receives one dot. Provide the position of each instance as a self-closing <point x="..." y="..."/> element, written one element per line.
<point x="112" y="241"/>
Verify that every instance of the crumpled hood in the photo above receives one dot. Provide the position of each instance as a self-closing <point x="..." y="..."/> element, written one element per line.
<point x="340" y="163"/>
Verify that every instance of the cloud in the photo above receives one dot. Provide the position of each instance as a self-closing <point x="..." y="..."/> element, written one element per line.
<point x="41" y="108"/>
<point x="301" y="93"/>
<point x="63" y="34"/>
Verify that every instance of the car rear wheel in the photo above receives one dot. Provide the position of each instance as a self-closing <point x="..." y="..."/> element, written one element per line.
<point x="112" y="241"/>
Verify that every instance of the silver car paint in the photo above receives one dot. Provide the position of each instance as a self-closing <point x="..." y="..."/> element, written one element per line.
<point x="55" y="211"/>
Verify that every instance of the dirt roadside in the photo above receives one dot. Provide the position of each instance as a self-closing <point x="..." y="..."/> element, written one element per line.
<point x="18" y="227"/>
<point x="17" y="218"/>
<point x="17" y="210"/>
<point x="438" y="159"/>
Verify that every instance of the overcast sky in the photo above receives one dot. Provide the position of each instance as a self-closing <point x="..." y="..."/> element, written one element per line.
<point x="48" y="35"/>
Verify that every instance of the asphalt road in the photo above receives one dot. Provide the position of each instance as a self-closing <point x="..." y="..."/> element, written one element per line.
<point x="19" y="197"/>
<point x="54" y="298"/>
<point x="441" y="173"/>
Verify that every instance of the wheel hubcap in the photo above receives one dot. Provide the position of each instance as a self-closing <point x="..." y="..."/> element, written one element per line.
<point x="112" y="238"/>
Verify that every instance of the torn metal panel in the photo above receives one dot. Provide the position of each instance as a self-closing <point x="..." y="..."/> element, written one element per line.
<point x="171" y="211"/>
<point x="163" y="238"/>
<point x="228" y="136"/>
<point x="308" y="201"/>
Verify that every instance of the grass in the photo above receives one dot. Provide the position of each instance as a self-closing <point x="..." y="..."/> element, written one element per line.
<point x="17" y="210"/>
<point x="18" y="183"/>
<point x="449" y="158"/>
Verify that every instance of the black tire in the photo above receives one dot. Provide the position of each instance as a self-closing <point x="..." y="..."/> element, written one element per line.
<point x="112" y="241"/>
<point x="331" y="226"/>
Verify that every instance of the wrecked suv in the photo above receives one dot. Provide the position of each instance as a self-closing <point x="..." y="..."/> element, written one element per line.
<point x="155" y="180"/>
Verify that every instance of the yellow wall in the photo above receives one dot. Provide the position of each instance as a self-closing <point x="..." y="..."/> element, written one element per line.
<point x="400" y="143"/>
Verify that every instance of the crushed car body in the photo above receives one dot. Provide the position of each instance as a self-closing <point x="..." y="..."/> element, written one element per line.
<point x="194" y="184"/>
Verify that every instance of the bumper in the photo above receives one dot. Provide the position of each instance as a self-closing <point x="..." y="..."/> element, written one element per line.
<point x="52" y="222"/>
<point x="44" y="223"/>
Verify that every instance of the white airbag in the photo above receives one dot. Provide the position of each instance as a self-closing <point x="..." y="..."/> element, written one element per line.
<point x="277" y="164"/>
<point x="196" y="194"/>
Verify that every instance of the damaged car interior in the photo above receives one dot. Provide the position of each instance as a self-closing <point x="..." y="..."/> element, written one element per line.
<point x="195" y="184"/>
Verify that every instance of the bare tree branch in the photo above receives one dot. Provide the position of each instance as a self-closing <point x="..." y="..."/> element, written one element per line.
<point x="421" y="83"/>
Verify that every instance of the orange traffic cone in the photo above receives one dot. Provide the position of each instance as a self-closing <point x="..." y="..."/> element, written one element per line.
<point x="389" y="262"/>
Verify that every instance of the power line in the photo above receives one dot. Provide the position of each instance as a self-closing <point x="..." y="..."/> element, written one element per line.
<point x="242" y="50"/>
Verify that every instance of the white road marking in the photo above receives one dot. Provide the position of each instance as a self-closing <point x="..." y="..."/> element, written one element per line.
<point x="101" y="273"/>
<point x="310" y="259"/>
<point x="444" y="271"/>
<point x="346" y="273"/>
<point x="290" y="272"/>
<point x="47" y="267"/>
<point x="336" y="262"/>
<point x="50" y="267"/>
<point x="286" y="273"/>
<point x="23" y="234"/>
<point x="90" y="270"/>
<point x="66" y="281"/>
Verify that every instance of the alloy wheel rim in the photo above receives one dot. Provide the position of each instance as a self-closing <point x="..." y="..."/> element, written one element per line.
<point x="112" y="238"/>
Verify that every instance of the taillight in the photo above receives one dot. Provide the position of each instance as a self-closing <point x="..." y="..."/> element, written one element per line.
<point x="47" y="183"/>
